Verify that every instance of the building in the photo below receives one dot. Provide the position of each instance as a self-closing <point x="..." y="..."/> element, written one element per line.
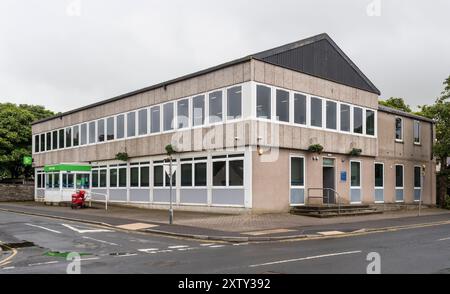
<point x="247" y="134"/>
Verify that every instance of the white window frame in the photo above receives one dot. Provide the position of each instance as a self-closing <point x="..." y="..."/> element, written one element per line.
<point x="291" y="156"/>
<point x="416" y="122"/>
<point x="227" y="170"/>
<point x="401" y="127"/>
<point x="403" y="183"/>
<point x="384" y="181"/>
<point x="208" y="107"/>
<point x="225" y="106"/>
<point x="414" y="180"/>
<point x="360" y="180"/>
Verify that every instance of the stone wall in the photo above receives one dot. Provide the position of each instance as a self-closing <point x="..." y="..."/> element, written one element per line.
<point x="10" y="192"/>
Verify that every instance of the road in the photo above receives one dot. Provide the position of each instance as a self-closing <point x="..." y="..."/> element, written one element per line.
<point x="106" y="250"/>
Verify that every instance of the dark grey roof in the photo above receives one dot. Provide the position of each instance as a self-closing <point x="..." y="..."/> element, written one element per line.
<point x="403" y="113"/>
<point x="327" y="64"/>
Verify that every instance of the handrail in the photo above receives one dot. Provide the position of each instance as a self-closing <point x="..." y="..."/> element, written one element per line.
<point x="328" y="196"/>
<point x="101" y="194"/>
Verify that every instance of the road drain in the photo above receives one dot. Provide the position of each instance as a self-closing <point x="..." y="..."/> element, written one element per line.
<point x="62" y="254"/>
<point x="9" y="246"/>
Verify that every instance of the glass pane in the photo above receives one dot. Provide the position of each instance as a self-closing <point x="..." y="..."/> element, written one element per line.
<point x="101" y="130"/>
<point x="42" y="142"/>
<point x="158" y="176"/>
<point x="68" y="137"/>
<point x="283" y="105"/>
<point x="234" y="103"/>
<point x="416" y="132"/>
<point x="131" y="124"/>
<point x="103" y="174"/>
<point x="236" y="173"/>
<point x="82" y="181"/>
<point x="91" y="132"/>
<point x="297" y="172"/>
<point x="200" y="174"/>
<point x="263" y="102"/>
<point x="39" y="180"/>
<point x="370" y="122"/>
<point x="316" y="112"/>
<point x="48" y="141"/>
<point x="122" y="177"/>
<point x="215" y="107"/>
<point x="120" y="121"/>
<point x="76" y="135"/>
<point x="345" y="118"/>
<point x="379" y="180"/>
<point x="219" y="173"/>
<point x="55" y="140"/>
<point x="357" y="120"/>
<point x="70" y="181"/>
<point x="145" y="176"/>
<point x="134" y="176"/>
<point x="183" y="113"/>
<point x="355" y="174"/>
<point x="94" y="178"/>
<point x="331" y="115"/>
<point x="168" y="116"/>
<point x="198" y="110"/>
<point x="143" y="122"/>
<point x="61" y="139"/>
<point x="417" y="174"/>
<point x="186" y="175"/>
<point x="399" y="176"/>
<point x="110" y="128"/>
<point x="36" y="143"/>
<point x="155" y="122"/>
<point x="56" y="180"/>
<point x="113" y="177"/>
<point x="398" y="129"/>
<point x="48" y="181"/>
<point x="83" y="139"/>
<point x="299" y="109"/>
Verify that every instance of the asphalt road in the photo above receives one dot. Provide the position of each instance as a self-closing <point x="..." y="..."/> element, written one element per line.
<point x="104" y="250"/>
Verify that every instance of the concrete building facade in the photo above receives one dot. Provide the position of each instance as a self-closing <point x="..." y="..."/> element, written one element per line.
<point x="244" y="132"/>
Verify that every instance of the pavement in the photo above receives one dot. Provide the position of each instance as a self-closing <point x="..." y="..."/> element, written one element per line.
<point x="230" y="228"/>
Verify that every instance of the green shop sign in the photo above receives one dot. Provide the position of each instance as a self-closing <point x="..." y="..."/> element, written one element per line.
<point x="67" y="167"/>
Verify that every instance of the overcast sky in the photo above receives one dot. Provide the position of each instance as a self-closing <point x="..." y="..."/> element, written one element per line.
<point x="68" y="53"/>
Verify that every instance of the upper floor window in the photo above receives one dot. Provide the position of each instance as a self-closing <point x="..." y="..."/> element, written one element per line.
<point x="357" y="120"/>
<point x="168" y="117"/>
<point x="370" y="122"/>
<point x="282" y="105"/>
<point x="183" y="113"/>
<point x="198" y="110"/>
<point x="91" y="132"/>
<point x="76" y="135"/>
<point x="331" y="115"/>
<point x="215" y="107"/>
<point x="120" y="125"/>
<point x="42" y="142"/>
<point x="345" y="118"/>
<point x="101" y="130"/>
<point x="300" y="109"/>
<point x="142" y="122"/>
<point x="48" y="141"/>
<point x="36" y="143"/>
<point x="155" y="119"/>
<point x="61" y="139"/>
<point x="110" y="128"/>
<point x="316" y="112"/>
<point x="68" y="137"/>
<point x="83" y="139"/>
<point x="263" y="102"/>
<point x="131" y="124"/>
<point x="416" y="132"/>
<point x="398" y="129"/>
<point x="234" y="103"/>
<point x="55" y="140"/>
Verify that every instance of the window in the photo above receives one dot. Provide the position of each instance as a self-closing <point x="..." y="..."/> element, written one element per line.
<point x="357" y="120"/>
<point x="49" y="181"/>
<point x="145" y="176"/>
<point x="95" y="178"/>
<point x="39" y="180"/>
<point x="103" y="175"/>
<point x="131" y="124"/>
<point x="234" y="103"/>
<point x="110" y="128"/>
<point x="61" y="139"/>
<point x="345" y="118"/>
<point x="263" y="102"/>
<point x="183" y="113"/>
<point x="297" y="172"/>
<point x="118" y="176"/>
<point x="42" y="142"/>
<point x="83" y="181"/>
<point x="283" y="105"/>
<point x="168" y="117"/>
<point x="399" y="176"/>
<point x="36" y="143"/>
<point x="143" y="122"/>
<point x="134" y="176"/>
<point x="219" y="173"/>
<point x="122" y="177"/>
<point x="416" y="132"/>
<point x="186" y="174"/>
<point x="370" y="122"/>
<point x="200" y="174"/>
<point x="228" y="170"/>
<point x="379" y="175"/>
<point x="55" y="140"/>
<point x="417" y="176"/>
<point x="120" y="122"/>
<point x="68" y="137"/>
<point x="236" y="173"/>
<point x="300" y="109"/>
<point x="355" y="170"/>
<point x="331" y="108"/>
<point x="83" y="139"/>
<point x="99" y="178"/>
<point x="68" y="181"/>
<point x="56" y="181"/>
<point x="174" y="177"/>
<point x="398" y="129"/>
<point x="101" y="130"/>
<point x="155" y="120"/>
<point x="215" y="107"/>
<point x="198" y="110"/>
<point x="91" y="132"/>
<point x="76" y="135"/>
<point x="113" y="177"/>
<point x="316" y="112"/>
<point x="48" y="141"/>
<point x="158" y="176"/>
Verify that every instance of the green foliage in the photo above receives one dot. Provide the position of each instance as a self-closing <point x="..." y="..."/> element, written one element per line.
<point x="122" y="156"/>
<point x="355" y="152"/>
<point x="15" y="136"/>
<point x="170" y="150"/>
<point x="316" y="148"/>
<point x="447" y="202"/>
<point x="397" y="103"/>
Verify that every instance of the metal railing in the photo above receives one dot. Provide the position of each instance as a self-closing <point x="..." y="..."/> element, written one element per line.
<point x="89" y="198"/>
<point x="328" y="190"/>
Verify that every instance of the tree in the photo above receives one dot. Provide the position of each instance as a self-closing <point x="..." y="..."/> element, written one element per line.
<point x="397" y="103"/>
<point x="15" y="136"/>
<point x="440" y="113"/>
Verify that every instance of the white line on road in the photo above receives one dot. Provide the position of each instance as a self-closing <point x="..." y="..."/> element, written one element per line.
<point x="216" y="246"/>
<point x="44" y="228"/>
<point x="306" y="258"/>
<point x="206" y="244"/>
<point x="73" y="228"/>
<point x="9" y="268"/>
<point x="43" y="263"/>
<point x="178" y="246"/>
<point x="127" y="255"/>
<point x="100" y="241"/>
<point x="444" y="239"/>
<point x="148" y="250"/>
<point x="90" y="258"/>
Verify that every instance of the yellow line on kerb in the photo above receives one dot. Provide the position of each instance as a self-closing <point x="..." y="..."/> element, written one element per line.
<point x="6" y="260"/>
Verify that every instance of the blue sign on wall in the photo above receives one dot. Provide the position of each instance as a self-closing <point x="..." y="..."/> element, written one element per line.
<point x="343" y="176"/>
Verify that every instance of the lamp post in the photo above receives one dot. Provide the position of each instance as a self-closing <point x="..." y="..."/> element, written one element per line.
<point x="170" y="150"/>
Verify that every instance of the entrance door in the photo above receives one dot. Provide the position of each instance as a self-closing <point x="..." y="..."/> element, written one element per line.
<point x="329" y="177"/>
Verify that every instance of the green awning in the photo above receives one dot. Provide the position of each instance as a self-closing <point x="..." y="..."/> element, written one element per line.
<point x="67" y="167"/>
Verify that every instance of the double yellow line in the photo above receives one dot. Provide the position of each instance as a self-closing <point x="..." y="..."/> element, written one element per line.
<point x="8" y="259"/>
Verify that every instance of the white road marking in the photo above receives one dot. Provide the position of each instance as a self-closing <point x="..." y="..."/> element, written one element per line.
<point x="178" y="246"/>
<point x="306" y="258"/>
<point x="90" y="258"/>
<point x="148" y="250"/>
<point x="127" y="255"/>
<point x="216" y="246"/>
<point x="161" y="251"/>
<point x="73" y="228"/>
<point x="44" y="228"/>
<point x="9" y="268"/>
<point x="240" y="244"/>
<point x="206" y="244"/>
<point x="100" y="241"/>
<point x="444" y="239"/>
<point x="43" y="263"/>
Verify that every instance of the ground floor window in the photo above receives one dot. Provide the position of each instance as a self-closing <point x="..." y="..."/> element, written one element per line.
<point x="40" y="180"/>
<point x="118" y="176"/>
<point x="140" y="175"/>
<point x="228" y="170"/>
<point x="99" y="176"/>
<point x="68" y="181"/>
<point x="297" y="180"/>
<point x="193" y="172"/>
<point x="379" y="182"/>
<point x="417" y="183"/>
<point x="399" y="183"/>
<point x="52" y="181"/>
<point x="355" y="181"/>
<point x="160" y="177"/>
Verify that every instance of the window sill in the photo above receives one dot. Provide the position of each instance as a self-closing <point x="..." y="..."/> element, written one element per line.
<point x="399" y="141"/>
